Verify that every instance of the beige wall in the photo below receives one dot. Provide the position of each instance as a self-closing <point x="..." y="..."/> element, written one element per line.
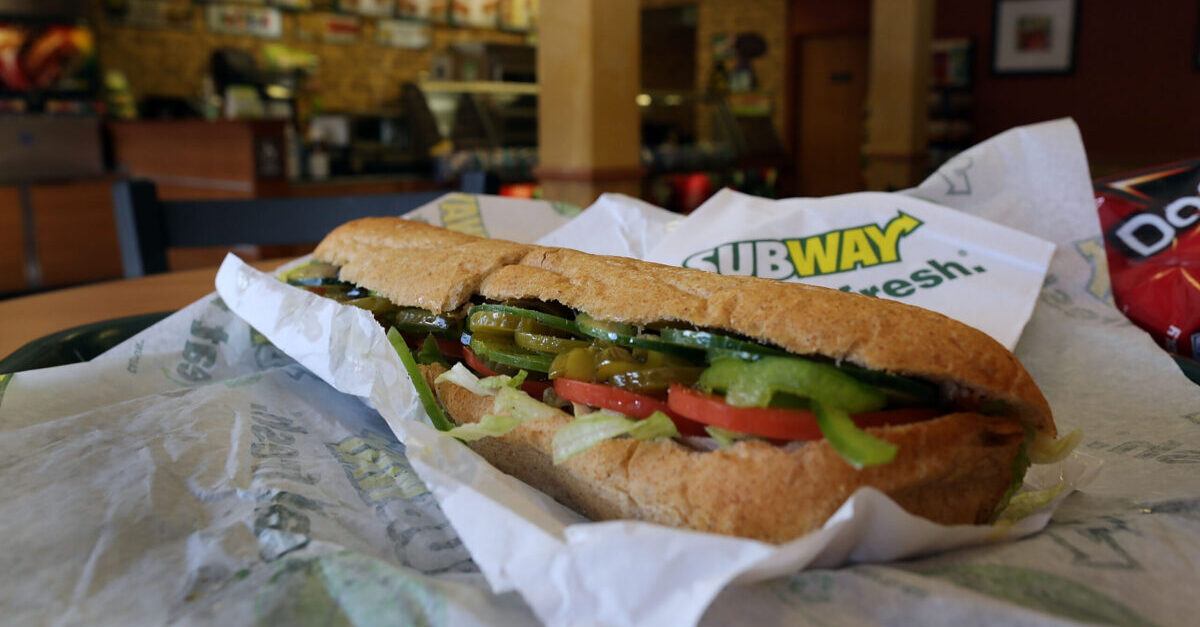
<point x="363" y="76"/>
<point x="766" y="17"/>
<point x="360" y="76"/>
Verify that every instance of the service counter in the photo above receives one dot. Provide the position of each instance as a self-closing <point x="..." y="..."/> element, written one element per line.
<point x="60" y="231"/>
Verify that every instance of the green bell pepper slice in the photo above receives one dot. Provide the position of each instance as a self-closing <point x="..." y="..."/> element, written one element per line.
<point x="754" y="383"/>
<point x="428" y="401"/>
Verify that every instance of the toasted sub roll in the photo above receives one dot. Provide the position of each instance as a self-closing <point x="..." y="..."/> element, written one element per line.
<point x="952" y="469"/>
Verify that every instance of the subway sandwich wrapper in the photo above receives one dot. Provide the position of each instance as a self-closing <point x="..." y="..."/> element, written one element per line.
<point x="223" y="467"/>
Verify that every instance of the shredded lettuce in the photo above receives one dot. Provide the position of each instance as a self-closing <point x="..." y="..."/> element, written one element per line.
<point x="512" y="407"/>
<point x="503" y="380"/>
<point x="1019" y="467"/>
<point x="1048" y="451"/>
<point x="1027" y="503"/>
<point x="654" y="426"/>
<point x="584" y="432"/>
<point x="490" y="425"/>
<point x="1034" y="450"/>
<point x="460" y="376"/>
<point x="523" y="406"/>
<point x="724" y="437"/>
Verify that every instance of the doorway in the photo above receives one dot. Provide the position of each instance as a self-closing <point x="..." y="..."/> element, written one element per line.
<point x="832" y="94"/>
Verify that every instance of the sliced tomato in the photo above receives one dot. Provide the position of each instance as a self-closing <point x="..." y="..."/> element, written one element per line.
<point x="533" y="388"/>
<point x="623" y="401"/>
<point x="771" y="422"/>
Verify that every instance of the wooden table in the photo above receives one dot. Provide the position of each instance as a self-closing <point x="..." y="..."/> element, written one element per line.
<point x="30" y="317"/>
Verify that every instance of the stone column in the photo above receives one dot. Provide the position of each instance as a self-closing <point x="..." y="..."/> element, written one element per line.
<point x="897" y="93"/>
<point x="589" y="129"/>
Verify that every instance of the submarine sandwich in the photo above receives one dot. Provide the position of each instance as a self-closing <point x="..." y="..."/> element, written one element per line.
<point x="732" y="405"/>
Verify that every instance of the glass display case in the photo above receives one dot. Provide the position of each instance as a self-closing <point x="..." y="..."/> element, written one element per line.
<point x="693" y="143"/>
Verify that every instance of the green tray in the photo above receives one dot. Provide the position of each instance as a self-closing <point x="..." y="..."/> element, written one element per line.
<point x="78" y="344"/>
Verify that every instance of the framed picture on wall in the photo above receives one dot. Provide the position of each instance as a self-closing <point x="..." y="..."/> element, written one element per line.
<point x="1196" y="54"/>
<point x="1034" y="36"/>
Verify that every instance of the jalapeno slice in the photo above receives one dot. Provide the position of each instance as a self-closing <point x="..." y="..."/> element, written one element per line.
<point x="417" y="320"/>
<point x="578" y="364"/>
<point x="655" y="379"/>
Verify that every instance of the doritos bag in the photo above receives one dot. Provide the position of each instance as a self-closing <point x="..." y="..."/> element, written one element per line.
<point x="1151" y="225"/>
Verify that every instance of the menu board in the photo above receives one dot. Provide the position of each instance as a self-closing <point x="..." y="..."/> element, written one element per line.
<point x="479" y="13"/>
<point x="384" y="8"/>
<point x="403" y="34"/>
<point x="432" y="10"/>
<point x="229" y="19"/>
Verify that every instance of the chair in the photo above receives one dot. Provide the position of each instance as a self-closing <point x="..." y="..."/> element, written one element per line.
<point x="147" y="226"/>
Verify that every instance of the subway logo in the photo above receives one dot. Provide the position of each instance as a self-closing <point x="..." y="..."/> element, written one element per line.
<point x="831" y="252"/>
<point x="460" y="212"/>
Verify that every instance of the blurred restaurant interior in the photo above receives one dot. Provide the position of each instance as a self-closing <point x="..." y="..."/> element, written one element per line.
<point x="667" y="100"/>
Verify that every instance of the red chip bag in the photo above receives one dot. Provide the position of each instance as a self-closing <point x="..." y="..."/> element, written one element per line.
<point x="1151" y="225"/>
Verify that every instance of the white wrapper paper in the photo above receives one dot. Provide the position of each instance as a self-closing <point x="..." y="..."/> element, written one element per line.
<point x="518" y="536"/>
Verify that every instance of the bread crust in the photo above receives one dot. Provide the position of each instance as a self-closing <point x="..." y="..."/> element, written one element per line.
<point x="951" y="470"/>
<point x="415" y="264"/>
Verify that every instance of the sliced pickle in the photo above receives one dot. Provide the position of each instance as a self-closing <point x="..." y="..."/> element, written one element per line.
<point x="504" y="351"/>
